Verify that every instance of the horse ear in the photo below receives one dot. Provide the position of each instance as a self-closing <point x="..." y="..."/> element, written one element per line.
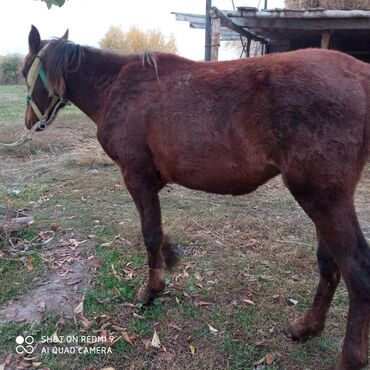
<point x="34" y="40"/>
<point x="65" y="36"/>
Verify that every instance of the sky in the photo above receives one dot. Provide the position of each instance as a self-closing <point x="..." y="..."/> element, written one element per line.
<point x="89" y="20"/>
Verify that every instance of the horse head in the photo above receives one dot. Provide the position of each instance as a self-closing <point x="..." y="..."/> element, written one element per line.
<point x="43" y="98"/>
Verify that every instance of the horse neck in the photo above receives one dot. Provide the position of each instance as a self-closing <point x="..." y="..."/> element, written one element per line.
<point x="87" y="86"/>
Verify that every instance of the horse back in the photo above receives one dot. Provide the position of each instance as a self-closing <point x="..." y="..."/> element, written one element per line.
<point x="230" y="126"/>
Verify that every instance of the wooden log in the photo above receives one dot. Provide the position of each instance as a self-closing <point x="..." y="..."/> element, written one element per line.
<point x="248" y="51"/>
<point x="13" y="221"/>
<point x="15" y="224"/>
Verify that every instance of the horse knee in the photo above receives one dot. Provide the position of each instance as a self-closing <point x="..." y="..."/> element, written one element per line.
<point x="153" y="239"/>
<point x="329" y="270"/>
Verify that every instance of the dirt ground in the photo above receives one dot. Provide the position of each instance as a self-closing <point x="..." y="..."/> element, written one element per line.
<point x="248" y="267"/>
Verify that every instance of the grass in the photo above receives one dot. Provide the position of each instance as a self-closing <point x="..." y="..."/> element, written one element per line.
<point x="16" y="272"/>
<point x="258" y="248"/>
<point x="13" y="103"/>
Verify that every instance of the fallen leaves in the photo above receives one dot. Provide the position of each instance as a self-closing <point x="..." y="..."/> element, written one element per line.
<point x="21" y="363"/>
<point x="41" y="306"/>
<point x="202" y="303"/>
<point x="292" y="301"/>
<point x="249" y="302"/>
<point x="107" y="245"/>
<point x="29" y="264"/>
<point x="116" y="274"/>
<point x="137" y="316"/>
<point x="268" y="359"/>
<point x="192" y="349"/>
<point x="64" y="256"/>
<point x="156" y="343"/>
<point x="212" y="329"/>
<point x="130" y="339"/>
<point x="78" y="310"/>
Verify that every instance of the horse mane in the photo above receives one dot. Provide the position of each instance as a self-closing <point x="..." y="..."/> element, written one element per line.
<point x="150" y="58"/>
<point x="63" y="57"/>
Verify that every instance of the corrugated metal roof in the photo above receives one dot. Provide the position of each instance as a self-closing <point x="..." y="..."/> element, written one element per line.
<point x="318" y="13"/>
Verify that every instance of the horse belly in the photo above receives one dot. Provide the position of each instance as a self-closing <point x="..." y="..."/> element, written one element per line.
<point x="217" y="173"/>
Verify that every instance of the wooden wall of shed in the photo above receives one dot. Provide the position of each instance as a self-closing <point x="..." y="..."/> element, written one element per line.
<point x="357" y="45"/>
<point x="328" y="4"/>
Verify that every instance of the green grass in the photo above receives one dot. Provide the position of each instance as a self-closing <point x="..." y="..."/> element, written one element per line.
<point x="215" y="233"/>
<point x="12" y="103"/>
<point x="16" y="279"/>
<point x="241" y="355"/>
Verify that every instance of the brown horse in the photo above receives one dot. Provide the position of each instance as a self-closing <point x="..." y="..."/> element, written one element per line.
<point x="227" y="128"/>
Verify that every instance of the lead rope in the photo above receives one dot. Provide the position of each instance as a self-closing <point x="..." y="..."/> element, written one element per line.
<point x="41" y="124"/>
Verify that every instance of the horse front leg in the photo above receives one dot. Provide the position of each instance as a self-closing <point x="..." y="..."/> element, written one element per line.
<point x="144" y="191"/>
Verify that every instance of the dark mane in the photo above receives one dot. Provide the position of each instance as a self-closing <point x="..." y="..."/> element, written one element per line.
<point x="63" y="57"/>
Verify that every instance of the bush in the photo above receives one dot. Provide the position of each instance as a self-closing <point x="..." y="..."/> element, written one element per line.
<point x="10" y="69"/>
<point x="137" y="41"/>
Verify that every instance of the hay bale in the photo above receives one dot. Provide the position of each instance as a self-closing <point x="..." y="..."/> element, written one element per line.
<point x="328" y="4"/>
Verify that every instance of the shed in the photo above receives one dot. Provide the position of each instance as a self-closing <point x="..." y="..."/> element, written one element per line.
<point x="291" y="29"/>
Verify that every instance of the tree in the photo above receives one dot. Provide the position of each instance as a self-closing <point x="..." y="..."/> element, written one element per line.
<point x="10" y="69"/>
<point x="137" y="41"/>
<point x="50" y="3"/>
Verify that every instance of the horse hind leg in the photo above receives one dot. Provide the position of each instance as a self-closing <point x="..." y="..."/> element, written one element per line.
<point x="335" y="218"/>
<point x="313" y="323"/>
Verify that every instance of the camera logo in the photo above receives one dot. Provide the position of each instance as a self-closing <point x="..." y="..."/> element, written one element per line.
<point x="25" y="344"/>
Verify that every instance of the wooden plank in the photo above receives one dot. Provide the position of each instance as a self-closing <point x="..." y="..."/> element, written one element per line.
<point x="300" y="24"/>
<point x="316" y="13"/>
<point x="198" y="21"/>
<point x="216" y="36"/>
<point x="325" y="39"/>
<point x="208" y="33"/>
<point x="229" y="23"/>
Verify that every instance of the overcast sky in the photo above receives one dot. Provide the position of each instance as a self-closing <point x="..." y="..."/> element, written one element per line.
<point x="88" y="21"/>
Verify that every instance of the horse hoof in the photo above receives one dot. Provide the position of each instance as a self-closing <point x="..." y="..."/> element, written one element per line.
<point x="300" y="331"/>
<point x="172" y="255"/>
<point x="146" y="295"/>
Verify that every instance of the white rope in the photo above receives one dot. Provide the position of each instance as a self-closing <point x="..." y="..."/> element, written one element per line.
<point x="42" y="125"/>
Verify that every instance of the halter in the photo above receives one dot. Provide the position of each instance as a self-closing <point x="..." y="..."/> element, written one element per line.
<point x="44" y="119"/>
<point x="34" y="73"/>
